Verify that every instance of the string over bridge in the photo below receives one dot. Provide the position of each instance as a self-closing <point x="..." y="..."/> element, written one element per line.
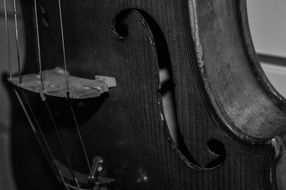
<point x="55" y="83"/>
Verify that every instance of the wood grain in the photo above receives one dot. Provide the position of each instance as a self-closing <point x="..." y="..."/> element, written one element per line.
<point x="218" y="97"/>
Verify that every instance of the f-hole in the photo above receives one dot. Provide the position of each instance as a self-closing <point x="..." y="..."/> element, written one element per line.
<point x="167" y="86"/>
<point x="165" y="67"/>
<point x="167" y="90"/>
<point x="217" y="153"/>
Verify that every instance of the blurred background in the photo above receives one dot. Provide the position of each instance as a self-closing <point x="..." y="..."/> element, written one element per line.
<point x="267" y="21"/>
<point x="268" y="27"/>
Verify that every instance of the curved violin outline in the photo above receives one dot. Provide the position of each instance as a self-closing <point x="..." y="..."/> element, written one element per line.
<point x="258" y="128"/>
<point x="217" y="151"/>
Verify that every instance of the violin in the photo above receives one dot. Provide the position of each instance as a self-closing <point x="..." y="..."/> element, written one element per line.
<point x="165" y="94"/>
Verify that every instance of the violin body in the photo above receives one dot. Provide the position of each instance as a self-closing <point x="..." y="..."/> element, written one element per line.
<point x="222" y="142"/>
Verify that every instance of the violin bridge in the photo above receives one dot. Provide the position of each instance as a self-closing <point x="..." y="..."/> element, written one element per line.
<point x="58" y="83"/>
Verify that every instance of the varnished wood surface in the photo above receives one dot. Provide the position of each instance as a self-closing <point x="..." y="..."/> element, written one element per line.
<point x="131" y="40"/>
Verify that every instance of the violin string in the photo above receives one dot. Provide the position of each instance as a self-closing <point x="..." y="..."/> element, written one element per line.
<point x="63" y="44"/>
<point x="38" y="43"/>
<point x="62" y="144"/>
<point x="62" y="178"/>
<point x="8" y="39"/>
<point x="59" y="135"/>
<point x="67" y="84"/>
<point x="17" y="41"/>
<point x="49" y="149"/>
<point x="80" y="137"/>
<point x="43" y="143"/>
<point x="62" y="35"/>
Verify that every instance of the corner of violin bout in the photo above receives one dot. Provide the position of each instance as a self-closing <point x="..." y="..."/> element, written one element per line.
<point x="109" y="81"/>
<point x="277" y="143"/>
